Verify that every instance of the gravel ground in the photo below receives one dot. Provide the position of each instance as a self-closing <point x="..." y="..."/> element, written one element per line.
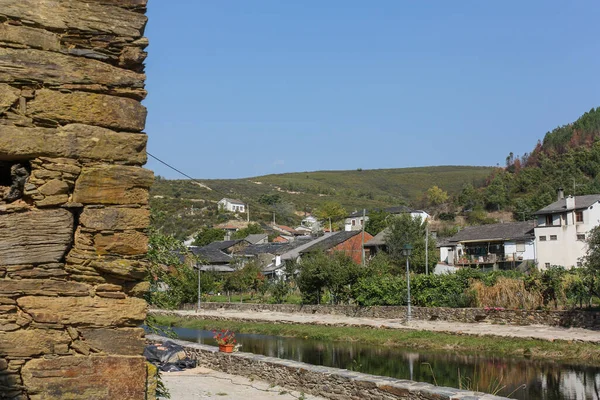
<point x="204" y="383"/>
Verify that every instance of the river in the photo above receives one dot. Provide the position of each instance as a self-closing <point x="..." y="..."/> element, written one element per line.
<point x="520" y="378"/>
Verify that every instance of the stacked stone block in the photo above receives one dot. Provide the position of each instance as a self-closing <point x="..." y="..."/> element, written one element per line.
<point x="73" y="199"/>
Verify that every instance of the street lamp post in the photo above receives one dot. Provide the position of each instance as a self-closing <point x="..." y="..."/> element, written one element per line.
<point x="406" y="250"/>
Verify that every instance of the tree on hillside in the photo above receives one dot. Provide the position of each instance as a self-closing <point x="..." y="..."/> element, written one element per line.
<point x="331" y="210"/>
<point x="469" y="197"/>
<point x="591" y="262"/>
<point x="208" y="235"/>
<point x="404" y="229"/>
<point x="269" y="199"/>
<point x="436" y="196"/>
<point x="377" y="221"/>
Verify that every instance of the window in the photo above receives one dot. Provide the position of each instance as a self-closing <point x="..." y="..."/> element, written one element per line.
<point x="579" y="216"/>
<point x="581" y="236"/>
<point x="520" y="247"/>
<point x="542" y="238"/>
<point x="553" y="237"/>
<point x="549" y="220"/>
<point x="361" y="222"/>
<point x="353" y="222"/>
<point x="547" y="265"/>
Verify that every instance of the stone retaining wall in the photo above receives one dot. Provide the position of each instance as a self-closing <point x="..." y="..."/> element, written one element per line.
<point x="73" y="199"/>
<point x="331" y="383"/>
<point x="572" y="318"/>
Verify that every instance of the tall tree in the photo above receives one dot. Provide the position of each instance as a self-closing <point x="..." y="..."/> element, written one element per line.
<point x="404" y="229"/>
<point x="208" y="235"/>
<point x="331" y="210"/>
<point x="436" y="196"/>
<point x="377" y="221"/>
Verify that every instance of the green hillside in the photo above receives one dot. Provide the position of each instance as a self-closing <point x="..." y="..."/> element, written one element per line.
<point x="568" y="158"/>
<point x="181" y="207"/>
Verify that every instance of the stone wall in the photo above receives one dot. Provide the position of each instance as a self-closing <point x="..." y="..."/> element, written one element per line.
<point x="570" y="318"/>
<point x="73" y="199"/>
<point x="331" y="383"/>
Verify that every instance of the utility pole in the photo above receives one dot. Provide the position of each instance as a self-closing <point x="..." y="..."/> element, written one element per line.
<point x="330" y="225"/>
<point x="248" y="211"/>
<point x="273" y="219"/>
<point x="426" y="249"/>
<point x="199" y="288"/>
<point x="363" y="237"/>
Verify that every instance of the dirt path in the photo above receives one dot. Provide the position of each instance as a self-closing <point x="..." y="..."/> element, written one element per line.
<point x="543" y="332"/>
<point x="204" y="383"/>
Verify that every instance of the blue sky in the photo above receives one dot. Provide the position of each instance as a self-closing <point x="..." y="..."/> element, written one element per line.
<point x="244" y="88"/>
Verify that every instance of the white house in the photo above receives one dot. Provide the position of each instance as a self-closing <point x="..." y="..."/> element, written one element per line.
<point x="232" y="205"/>
<point x="562" y="229"/>
<point x="354" y="221"/>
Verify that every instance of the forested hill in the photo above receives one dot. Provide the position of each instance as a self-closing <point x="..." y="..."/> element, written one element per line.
<point x="568" y="158"/>
<point x="182" y="207"/>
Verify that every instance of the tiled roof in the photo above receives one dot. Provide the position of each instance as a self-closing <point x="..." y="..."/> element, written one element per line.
<point x="222" y="244"/>
<point x="561" y="205"/>
<point x="331" y="241"/>
<point x="295" y="252"/>
<point x="379" y="239"/>
<point x="211" y="255"/>
<point x="506" y="231"/>
<point x="233" y="201"/>
<point x="255" y="238"/>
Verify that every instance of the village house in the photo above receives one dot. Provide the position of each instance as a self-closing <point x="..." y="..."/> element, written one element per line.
<point x="347" y="242"/>
<point x="496" y="246"/>
<point x="232" y="205"/>
<point x="354" y="221"/>
<point x="563" y="227"/>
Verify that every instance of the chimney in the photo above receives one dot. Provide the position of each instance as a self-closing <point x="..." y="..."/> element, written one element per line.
<point x="570" y="203"/>
<point x="561" y="193"/>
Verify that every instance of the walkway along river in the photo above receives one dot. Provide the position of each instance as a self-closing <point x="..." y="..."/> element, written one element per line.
<point x="525" y="379"/>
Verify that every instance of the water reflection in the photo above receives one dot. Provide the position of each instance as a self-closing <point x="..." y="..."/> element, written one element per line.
<point x="542" y="380"/>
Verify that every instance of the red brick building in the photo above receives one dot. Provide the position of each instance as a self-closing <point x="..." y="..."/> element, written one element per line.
<point x="347" y="242"/>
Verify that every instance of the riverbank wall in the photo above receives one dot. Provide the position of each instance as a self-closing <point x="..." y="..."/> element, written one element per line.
<point x="331" y="383"/>
<point x="563" y="318"/>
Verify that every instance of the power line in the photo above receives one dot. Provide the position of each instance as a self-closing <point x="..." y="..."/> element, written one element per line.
<point x="172" y="167"/>
<point x="197" y="181"/>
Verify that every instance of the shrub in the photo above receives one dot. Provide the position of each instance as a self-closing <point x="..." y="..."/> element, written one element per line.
<point x="506" y="293"/>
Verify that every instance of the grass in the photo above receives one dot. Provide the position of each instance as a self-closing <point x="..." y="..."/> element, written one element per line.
<point x="581" y="353"/>
<point x="354" y="190"/>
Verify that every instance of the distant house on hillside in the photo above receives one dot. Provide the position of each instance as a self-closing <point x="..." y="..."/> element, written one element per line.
<point x="563" y="227"/>
<point x="232" y="205"/>
<point x="495" y="246"/>
<point x="354" y="221"/>
<point x="311" y="224"/>
<point x="347" y="242"/>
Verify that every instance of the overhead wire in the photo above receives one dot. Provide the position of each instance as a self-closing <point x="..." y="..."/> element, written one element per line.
<point x="199" y="182"/>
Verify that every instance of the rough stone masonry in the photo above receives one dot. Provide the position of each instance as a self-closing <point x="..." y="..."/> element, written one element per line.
<point x="73" y="199"/>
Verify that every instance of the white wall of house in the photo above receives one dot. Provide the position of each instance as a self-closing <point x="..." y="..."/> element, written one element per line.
<point x="354" y="224"/>
<point x="232" y="206"/>
<point x="419" y="213"/>
<point x="519" y="250"/>
<point x="563" y="242"/>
